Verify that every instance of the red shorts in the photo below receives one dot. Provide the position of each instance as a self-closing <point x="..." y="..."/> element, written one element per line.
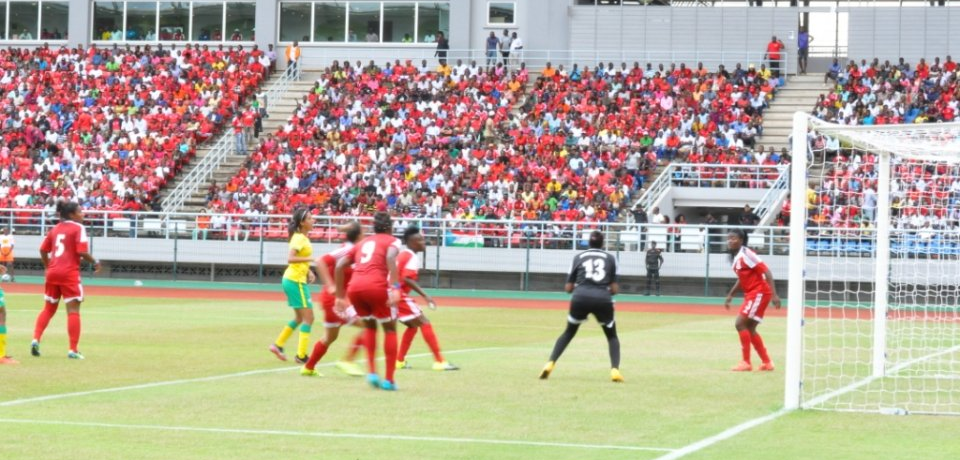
<point x="53" y="292"/>
<point x="372" y="304"/>
<point x="755" y="305"/>
<point x="408" y="309"/>
<point x="330" y="317"/>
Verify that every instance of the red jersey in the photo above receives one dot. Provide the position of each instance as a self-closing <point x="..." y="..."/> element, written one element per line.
<point x="750" y="269"/>
<point x="409" y="264"/>
<point x="370" y="269"/>
<point x="331" y="259"/>
<point x="64" y="244"/>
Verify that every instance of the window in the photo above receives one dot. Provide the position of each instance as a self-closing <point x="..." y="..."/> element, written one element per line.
<point x="398" y="22"/>
<point x="365" y="22"/>
<point x="295" y="22"/>
<point x="3" y="21"/>
<point x="329" y="22"/>
<point x="174" y="21"/>
<point x="501" y="13"/>
<point x="54" y="20"/>
<point x="241" y="21"/>
<point x="141" y="21"/>
<point x="432" y="17"/>
<point x="207" y="22"/>
<point x="108" y="21"/>
<point x="23" y="21"/>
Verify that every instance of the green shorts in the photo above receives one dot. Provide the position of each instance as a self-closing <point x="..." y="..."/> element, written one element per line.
<point x="298" y="294"/>
<point x="3" y="302"/>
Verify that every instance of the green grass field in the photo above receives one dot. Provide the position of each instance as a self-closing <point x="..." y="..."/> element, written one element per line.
<point x="208" y="388"/>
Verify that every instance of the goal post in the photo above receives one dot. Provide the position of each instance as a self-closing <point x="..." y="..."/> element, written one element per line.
<point x="873" y="320"/>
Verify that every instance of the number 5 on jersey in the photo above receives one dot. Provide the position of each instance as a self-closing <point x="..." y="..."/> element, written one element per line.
<point x="59" y="244"/>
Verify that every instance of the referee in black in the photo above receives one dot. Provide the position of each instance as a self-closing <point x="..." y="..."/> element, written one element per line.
<point x="593" y="282"/>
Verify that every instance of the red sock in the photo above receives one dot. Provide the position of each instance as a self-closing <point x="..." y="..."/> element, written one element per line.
<point x="745" y="344"/>
<point x="370" y="343"/>
<point x="43" y="319"/>
<point x="355" y="347"/>
<point x="319" y="349"/>
<point x="390" y="352"/>
<point x="405" y="342"/>
<point x="73" y="329"/>
<point x="431" y="338"/>
<point x="761" y="350"/>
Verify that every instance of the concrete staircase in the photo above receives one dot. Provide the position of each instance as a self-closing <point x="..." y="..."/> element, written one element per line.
<point x="800" y="93"/>
<point x="277" y="111"/>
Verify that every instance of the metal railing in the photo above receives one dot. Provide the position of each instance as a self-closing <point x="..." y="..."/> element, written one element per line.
<point x="653" y="193"/>
<point x="774" y="196"/>
<point x="204" y="169"/>
<point x="318" y="57"/>
<point x="502" y="234"/>
<point x="714" y="176"/>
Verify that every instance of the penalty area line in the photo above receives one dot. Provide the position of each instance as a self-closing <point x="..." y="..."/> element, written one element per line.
<point x="722" y="436"/>
<point x="321" y="434"/>
<point x="213" y="378"/>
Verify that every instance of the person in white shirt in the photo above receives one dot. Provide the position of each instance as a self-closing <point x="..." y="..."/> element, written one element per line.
<point x="516" y="49"/>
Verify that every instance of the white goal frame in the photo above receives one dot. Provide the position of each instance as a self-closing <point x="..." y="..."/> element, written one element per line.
<point x="884" y="141"/>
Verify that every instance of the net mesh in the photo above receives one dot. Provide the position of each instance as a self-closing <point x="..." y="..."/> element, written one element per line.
<point x="920" y="370"/>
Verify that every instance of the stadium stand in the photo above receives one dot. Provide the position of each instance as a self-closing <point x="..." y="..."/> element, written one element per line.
<point x="108" y="127"/>
<point x="924" y="197"/>
<point x="465" y="141"/>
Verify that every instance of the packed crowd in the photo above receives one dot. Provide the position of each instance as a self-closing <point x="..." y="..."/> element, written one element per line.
<point x="923" y="196"/>
<point x="877" y="94"/>
<point x="108" y="127"/>
<point x="471" y="142"/>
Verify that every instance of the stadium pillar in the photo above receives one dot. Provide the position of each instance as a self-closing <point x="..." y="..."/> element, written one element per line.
<point x="266" y="26"/>
<point x="80" y="23"/>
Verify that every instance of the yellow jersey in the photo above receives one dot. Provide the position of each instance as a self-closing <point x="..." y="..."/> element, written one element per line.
<point x="298" y="271"/>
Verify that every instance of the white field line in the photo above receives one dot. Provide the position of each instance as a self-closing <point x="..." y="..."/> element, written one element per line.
<point x="321" y="434"/>
<point x="861" y="383"/>
<point x="722" y="436"/>
<point x="76" y="394"/>
<point x="749" y="424"/>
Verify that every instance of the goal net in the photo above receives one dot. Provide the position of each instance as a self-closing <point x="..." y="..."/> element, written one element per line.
<point x="875" y="263"/>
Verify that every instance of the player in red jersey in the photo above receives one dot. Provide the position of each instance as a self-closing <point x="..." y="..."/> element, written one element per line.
<point x="756" y="281"/>
<point x="374" y="292"/>
<point x="408" y="312"/>
<point x="333" y="321"/>
<point x="60" y="254"/>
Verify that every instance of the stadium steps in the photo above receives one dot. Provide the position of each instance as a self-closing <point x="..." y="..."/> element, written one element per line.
<point x="277" y="111"/>
<point x="800" y="93"/>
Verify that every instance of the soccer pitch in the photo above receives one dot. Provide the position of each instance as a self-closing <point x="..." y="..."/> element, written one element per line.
<point x="192" y="379"/>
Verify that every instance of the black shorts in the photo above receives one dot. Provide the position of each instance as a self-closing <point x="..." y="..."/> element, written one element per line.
<point x="581" y="307"/>
<point x="803" y="52"/>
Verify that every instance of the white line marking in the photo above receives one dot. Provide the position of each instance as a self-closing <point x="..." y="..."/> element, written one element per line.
<point x="735" y="430"/>
<point x="17" y="402"/>
<point x="722" y="436"/>
<point x="320" y="434"/>
<point x="862" y="383"/>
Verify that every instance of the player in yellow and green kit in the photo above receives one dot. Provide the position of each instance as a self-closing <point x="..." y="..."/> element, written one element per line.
<point x="296" y="285"/>
<point x="4" y="359"/>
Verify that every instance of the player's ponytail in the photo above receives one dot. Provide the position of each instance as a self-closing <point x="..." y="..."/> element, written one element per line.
<point x="296" y="220"/>
<point x="65" y="209"/>
<point x="382" y="223"/>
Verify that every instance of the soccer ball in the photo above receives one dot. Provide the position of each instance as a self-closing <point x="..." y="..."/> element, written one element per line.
<point x="5" y="278"/>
